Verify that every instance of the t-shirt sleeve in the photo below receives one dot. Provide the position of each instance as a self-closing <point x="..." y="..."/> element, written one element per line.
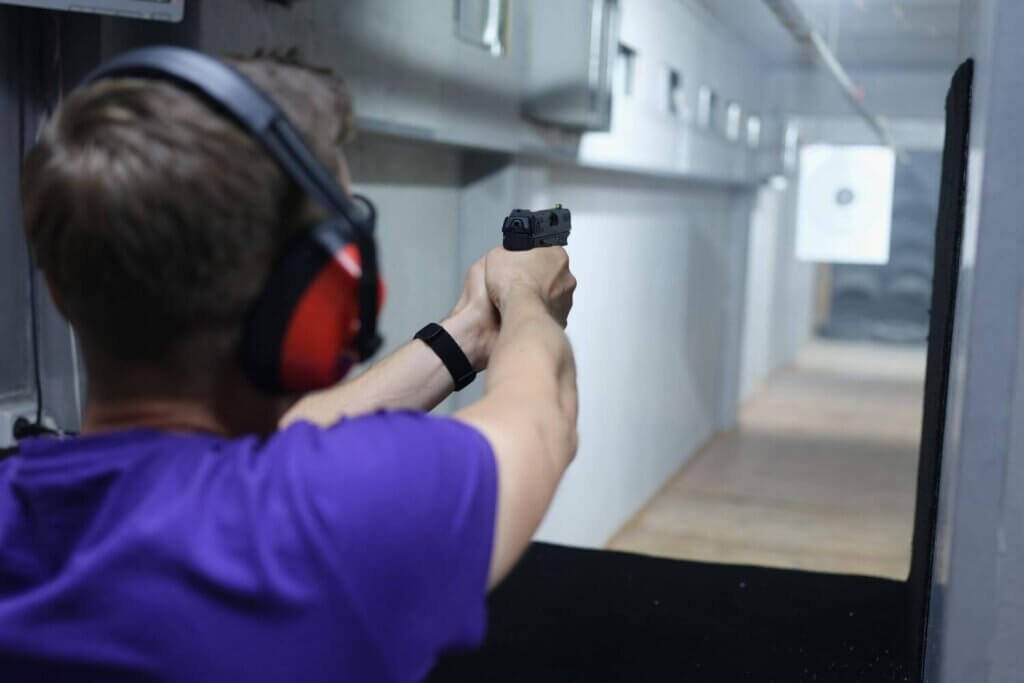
<point x="402" y="507"/>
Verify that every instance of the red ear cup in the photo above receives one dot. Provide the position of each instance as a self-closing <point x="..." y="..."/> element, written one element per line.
<point x="316" y="350"/>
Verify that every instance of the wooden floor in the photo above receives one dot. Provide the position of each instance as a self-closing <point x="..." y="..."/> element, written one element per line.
<point x="819" y="475"/>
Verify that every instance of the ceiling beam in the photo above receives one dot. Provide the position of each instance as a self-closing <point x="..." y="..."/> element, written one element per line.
<point x="794" y="21"/>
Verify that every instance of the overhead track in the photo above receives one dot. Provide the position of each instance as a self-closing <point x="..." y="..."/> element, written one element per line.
<point x="794" y="20"/>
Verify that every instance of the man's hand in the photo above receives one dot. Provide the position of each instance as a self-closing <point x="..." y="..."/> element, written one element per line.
<point x="474" y="322"/>
<point x="529" y="408"/>
<point x="542" y="272"/>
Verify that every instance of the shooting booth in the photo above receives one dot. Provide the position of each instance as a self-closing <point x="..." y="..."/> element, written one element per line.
<point x="568" y="614"/>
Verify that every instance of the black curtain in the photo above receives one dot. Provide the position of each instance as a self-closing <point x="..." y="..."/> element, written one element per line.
<point x="948" y="239"/>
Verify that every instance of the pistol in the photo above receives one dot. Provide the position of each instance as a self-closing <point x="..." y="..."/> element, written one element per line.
<point x="524" y="230"/>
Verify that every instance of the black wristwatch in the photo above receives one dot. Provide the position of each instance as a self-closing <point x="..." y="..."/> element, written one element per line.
<point x="446" y="348"/>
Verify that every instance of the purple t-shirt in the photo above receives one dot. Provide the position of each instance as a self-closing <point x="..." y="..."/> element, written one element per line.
<point x="355" y="553"/>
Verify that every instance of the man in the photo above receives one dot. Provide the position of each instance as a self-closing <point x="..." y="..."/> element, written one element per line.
<point x="200" y="529"/>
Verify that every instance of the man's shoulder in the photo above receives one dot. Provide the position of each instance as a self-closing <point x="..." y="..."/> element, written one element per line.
<point x="381" y="455"/>
<point x="384" y="429"/>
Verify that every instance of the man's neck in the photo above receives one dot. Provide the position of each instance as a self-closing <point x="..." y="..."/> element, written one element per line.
<point x="171" y="415"/>
<point x="221" y="400"/>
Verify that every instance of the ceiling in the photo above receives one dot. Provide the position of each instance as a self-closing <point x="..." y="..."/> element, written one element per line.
<point x="864" y="34"/>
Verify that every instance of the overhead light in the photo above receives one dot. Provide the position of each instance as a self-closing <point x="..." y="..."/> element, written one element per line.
<point x="778" y="182"/>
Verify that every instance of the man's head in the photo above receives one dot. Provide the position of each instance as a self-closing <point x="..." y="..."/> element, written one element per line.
<point x="157" y="220"/>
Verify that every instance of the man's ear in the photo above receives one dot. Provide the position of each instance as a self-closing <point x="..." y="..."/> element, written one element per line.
<point x="55" y="297"/>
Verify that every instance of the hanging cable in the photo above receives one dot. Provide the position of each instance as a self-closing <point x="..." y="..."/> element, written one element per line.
<point x="24" y="428"/>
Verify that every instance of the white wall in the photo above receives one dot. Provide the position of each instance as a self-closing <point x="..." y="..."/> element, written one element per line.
<point x="646" y="331"/>
<point x="757" y="357"/>
<point x="779" y="308"/>
<point x="415" y="188"/>
<point x="653" y="262"/>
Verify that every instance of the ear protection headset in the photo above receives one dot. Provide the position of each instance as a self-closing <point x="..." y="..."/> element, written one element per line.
<point x="317" y="314"/>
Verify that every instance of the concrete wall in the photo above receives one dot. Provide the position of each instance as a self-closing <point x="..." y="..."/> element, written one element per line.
<point x="647" y="334"/>
<point x="779" y="301"/>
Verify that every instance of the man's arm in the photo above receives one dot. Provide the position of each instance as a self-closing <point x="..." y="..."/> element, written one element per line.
<point x="412" y="377"/>
<point x="528" y="412"/>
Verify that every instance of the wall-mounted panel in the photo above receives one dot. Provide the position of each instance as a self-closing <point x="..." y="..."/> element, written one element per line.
<point x="658" y="125"/>
<point x="413" y="76"/>
<point x="572" y="47"/>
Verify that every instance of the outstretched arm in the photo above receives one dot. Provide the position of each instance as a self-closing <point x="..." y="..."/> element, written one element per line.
<point x="528" y="412"/>
<point x="412" y="377"/>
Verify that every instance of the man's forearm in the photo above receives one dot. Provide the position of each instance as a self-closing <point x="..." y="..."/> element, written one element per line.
<point x="531" y="359"/>
<point x="410" y="378"/>
<point x="530" y="339"/>
<point x="528" y="415"/>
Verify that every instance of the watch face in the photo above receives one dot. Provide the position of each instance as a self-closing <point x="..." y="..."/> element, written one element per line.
<point x="156" y="10"/>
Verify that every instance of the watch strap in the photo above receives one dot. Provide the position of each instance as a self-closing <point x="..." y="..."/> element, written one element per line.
<point x="448" y="350"/>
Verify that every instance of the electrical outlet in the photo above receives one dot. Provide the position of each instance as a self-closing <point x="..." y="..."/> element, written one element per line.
<point x="10" y="411"/>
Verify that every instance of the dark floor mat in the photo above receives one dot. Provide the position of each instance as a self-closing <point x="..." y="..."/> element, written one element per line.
<point x="583" y="615"/>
